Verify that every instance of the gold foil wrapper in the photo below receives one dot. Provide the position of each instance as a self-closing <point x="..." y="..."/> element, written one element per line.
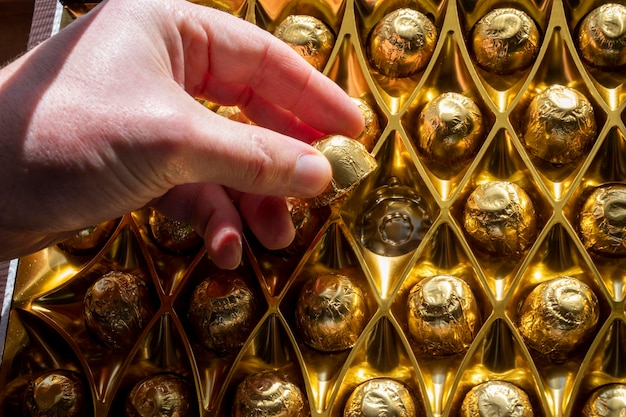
<point x="331" y="312"/>
<point x="559" y="125"/>
<point x="603" y="220"/>
<point x="117" y="307"/>
<point x="221" y="311"/>
<point x="172" y="235"/>
<point x="602" y="36"/>
<point x="496" y="398"/>
<point x="161" y="395"/>
<point x="88" y="240"/>
<point x="443" y="315"/>
<point x="558" y="316"/>
<point x="606" y="401"/>
<point x="233" y="113"/>
<point x="500" y="218"/>
<point x="505" y="40"/>
<point x="309" y="37"/>
<point x="350" y="162"/>
<point x="402" y="43"/>
<point x="55" y="393"/>
<point x="380" y="397"/>
<point x="269" y="394"/>
<point x="306" y="220"/>
<point x="394" y="220"/>
<point x="371" y="131"/>
<point x="450" y="129"/>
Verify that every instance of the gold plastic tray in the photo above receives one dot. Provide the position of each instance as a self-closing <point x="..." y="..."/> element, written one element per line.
<point x="46" y="328"/>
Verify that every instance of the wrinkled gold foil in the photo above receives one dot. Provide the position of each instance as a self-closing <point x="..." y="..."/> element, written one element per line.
<point x="269" y="394"/>
<point x="559" y="125"/>
<point x="88" y="240"/>
<point x="350" y="163"/>
<point x="55" y="393"/>
<point x="603" y="220"/>
<point x="221" y="311"/>
<point x="496" y="398"/>
<point x="500" y="218"/>
<point x="606" y="401"/>
<point x="558" y="316"/>
<point x="443" y="315"/>
<point x="233" y="113"/>
<point x="402" y="43"/>
<point x="309" y="37"/>
<point x="505" y="40"/>
<point x="331" y="312"/>
<point x="450" y="129"/>
<point x="172" y="235"/>
<point x="117" y="307"/>
<point x="602" y="36"/>
<point x="371" y="131"/>
<point x="306" y="220"/>
<point x="161" y="395"/>
<point x="380" y="397"/>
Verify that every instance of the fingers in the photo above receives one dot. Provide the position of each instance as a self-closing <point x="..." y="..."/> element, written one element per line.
<point x="233" y="61"/>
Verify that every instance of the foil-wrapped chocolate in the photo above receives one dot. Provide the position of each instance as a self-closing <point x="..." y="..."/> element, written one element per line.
<point x="602" y="36"/>
<point x="606" y="401"/>
<point x="500" y="218"/>
<point x="450" y="129"/>
<point x="496" y="398"/>
<point x="350" y="163"/>
<point x="172" y="235"/>
<point x="55" y="393"/>
<point x="306" y="220"/>
<point x="221" y="312"/>
<point x="559" y="125"/>
<point x="394" y="220"/>
<point x="402" y="43"/>
<point x="380" y="397"/>
<point x="89" y="239"/>
<point x="505" y="40"/>
<point x="370" y="132"/>
<point x="557" y="316"/>
<point x="603" y="220"/>
<point x="443" y="315"/>
<point x="117" y="307"/>
<point x="309" y="37"/>
<point x="269" y="393"/>
<point x="160" y="395"/>
<point x="331" y="312"/>
<point x="233" y="113"/>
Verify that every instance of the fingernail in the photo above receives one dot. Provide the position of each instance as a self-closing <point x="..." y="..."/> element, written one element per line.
<point x="311" y="175"/>
<point x="229" y="252"/>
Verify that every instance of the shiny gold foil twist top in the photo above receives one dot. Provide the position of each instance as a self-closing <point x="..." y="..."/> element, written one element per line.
<point x="505" y="40"/>
<point x="350" y="163"/>
<point x="269" y="394"/>
<point x="606" y="401"/>
<point x="380" y="397"/>
<point x="558" y="316"/>
<point x="450" y="129"/>
<point x="500" y="218"/>
<point x="602" y="36"/>
<point x="331" y="312"/>
<point x="402" y="43"/>
<point x="559" y="125"/>
<point x="55" y="393"/>
<point x="309" y="37"/>
<point x="443" y="315"/>
<point x="496" y="399"/>
<point x="603" y="220"/>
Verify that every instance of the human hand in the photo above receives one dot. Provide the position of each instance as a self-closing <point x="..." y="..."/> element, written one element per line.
<point x="101" y="120"/>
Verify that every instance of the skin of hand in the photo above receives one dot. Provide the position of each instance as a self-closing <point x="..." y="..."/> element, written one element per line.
<point x="101" y="120"/>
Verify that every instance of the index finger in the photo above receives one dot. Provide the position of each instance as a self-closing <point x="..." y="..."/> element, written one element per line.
<point x="231" y="51"/>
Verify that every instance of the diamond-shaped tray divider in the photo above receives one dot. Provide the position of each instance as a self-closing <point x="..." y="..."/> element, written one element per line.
<point x="557" y="255"/>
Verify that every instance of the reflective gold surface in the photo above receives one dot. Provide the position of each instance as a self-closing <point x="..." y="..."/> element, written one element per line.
<point x="309" y="37"/>
<point x="162" y="395"/>
<point x="55" y="393"/>
<point x="269" y="394"/>
<point x="606" y="401"/>
<point x="496" y="398"/>
<point x="602" y="36"/>
<point x="173" y="235"/>
<point x="380" y="397"/>
<point x="400" y="226"/>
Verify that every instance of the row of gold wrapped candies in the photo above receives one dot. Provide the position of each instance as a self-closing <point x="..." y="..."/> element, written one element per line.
<point x="442" y="313"/>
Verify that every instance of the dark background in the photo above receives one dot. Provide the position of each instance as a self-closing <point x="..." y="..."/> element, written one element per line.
<point x="15" y="20"/>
